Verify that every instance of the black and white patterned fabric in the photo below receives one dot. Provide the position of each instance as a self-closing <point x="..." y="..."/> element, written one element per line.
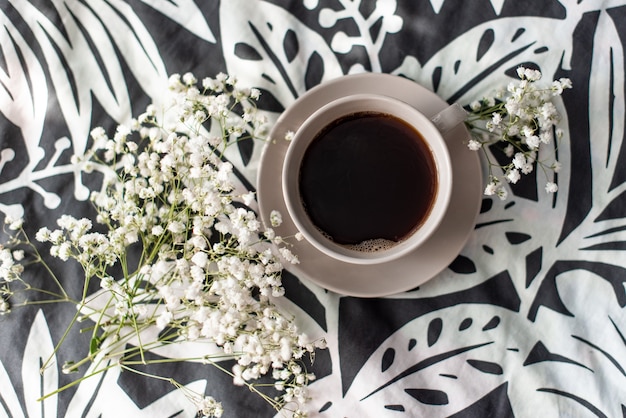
<point x="528" y="321"/>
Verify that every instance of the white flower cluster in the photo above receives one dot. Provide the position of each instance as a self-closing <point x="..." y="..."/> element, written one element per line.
<point x="523" y="118"/>
<point x="208" y="407"/>
<point x="207" y="271"/>
<point x="11" y="268"/>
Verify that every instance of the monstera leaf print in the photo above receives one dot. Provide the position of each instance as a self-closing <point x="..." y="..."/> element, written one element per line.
<point x="500" y="45"/>
<point x="580" y="211"/>
<point x="459" y="357"/>
<point x="100" y="395"/>
<point x="24" y="92"/>
<point x="85" y="66"/>
<point x="492" y="334"/>
<point x="270" y="51"/>
<point x="538" y="291"/>
<point x="37" y="351"/>
<point x="374" y="21"/>
<point x="187" y="14"/>
<point x="93" y="72"/>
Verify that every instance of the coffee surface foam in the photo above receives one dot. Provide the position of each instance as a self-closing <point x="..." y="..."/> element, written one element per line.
<point x="368" y="246"/>
<point x="372" y="245"/>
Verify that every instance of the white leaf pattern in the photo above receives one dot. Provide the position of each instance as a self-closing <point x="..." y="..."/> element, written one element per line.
<point x="495" y="47"/>
<point x="23" y="101"/>
<point x="541" y="332"/>
<point x="84" y="77"/>
<point x="258" y="54"/>
<point x="372" y="29"/>
<point x="102" y="397"/>
<point x="10" y="405"/>
<point x="186" y="13"/>
<point x="42" y="382"/>
<point x="433" y="365"/>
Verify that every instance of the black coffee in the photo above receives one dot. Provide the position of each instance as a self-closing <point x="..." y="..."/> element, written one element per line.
<point x="368" y="179"/>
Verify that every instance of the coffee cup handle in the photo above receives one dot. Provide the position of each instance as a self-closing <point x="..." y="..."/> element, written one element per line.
<point x="449" y="117"/>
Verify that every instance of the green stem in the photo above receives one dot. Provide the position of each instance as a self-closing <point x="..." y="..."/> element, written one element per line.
<point x="75" y="382"/>
<point x="39" y="259"/>
<point x="63" y="337"/>
<point x="271" y="401"/>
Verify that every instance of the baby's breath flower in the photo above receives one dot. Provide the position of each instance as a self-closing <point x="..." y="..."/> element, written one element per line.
<point x="107" y="283"/>
<point x="276" y="218"/>
<point x="566" y="83"/>
<point x="524" y="118"/>
<point x="248" y="198"/>
<point x="289" y="256"/>
<point x="490" y="189"/>
<point x="545" y="136"/>
<point x="559" y="85"/>
<point x="209" y="407"/>
<point x="474" y="145"/>
<point x="5" y="308"/>
<point x="513" y="176"/>
<point x="189" y="79"/>
<point x="502" y="193"/>
<point x="10" y="269"/>
<point x="551" y="187"/>
<point x="14" y="224"/>
<point x="164" y="319"/>
<point x="559" y="133"/>
<point x="532" y="75"/>
<point x="208" y="271"/>
<point x="532" y="142"/>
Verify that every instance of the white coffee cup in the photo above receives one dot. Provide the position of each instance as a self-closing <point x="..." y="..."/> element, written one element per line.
<point x="430" y="129"/>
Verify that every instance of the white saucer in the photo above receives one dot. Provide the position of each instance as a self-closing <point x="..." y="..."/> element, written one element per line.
<point x="411" y="270"/>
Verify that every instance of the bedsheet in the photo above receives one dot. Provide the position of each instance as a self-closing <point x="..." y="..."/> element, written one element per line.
<point x="528" y="319"/>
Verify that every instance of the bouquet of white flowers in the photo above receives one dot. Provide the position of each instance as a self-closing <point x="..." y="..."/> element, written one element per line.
<point x="523" y="118"/>
<point x="181" y="257"/>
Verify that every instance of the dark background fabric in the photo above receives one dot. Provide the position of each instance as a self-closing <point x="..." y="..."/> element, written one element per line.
<point x="529" y="320"/>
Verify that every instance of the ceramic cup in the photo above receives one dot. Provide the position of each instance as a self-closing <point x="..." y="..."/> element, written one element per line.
<point x="315" y="171"/>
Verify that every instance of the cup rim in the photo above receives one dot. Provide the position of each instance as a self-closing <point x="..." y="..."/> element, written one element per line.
<point x="349" y="105"/>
